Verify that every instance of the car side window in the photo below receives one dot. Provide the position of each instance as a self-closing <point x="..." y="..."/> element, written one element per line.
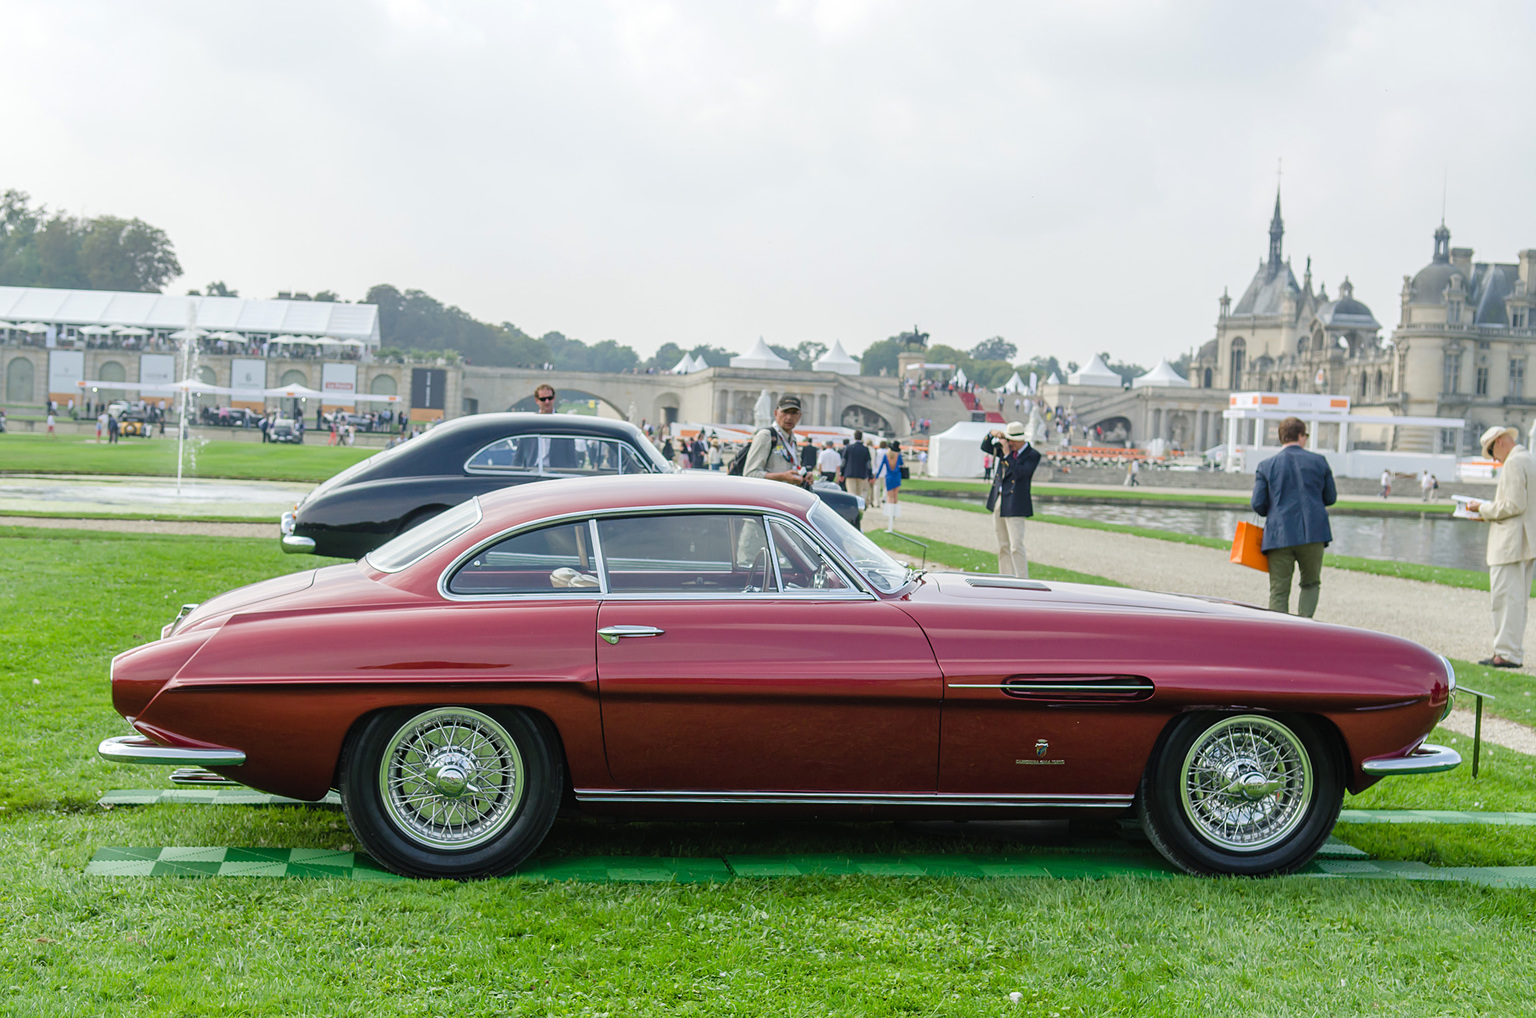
<point x="551" y="560"/>
<point x="802" y="566"/>
<point x="562" y="455"/>
<point x="703" y="553"/>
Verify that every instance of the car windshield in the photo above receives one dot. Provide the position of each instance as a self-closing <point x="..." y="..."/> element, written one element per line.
<point x="418" y="542"/>
<point x="883" y="572"/>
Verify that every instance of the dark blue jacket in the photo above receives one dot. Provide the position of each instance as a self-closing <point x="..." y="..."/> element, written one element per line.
<point x="856" y="460"/>
<point x="1011" y="479"/>
<point x="1290" y="490"/>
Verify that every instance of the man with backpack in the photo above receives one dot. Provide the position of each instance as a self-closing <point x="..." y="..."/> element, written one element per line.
<point x="771" y="453"/>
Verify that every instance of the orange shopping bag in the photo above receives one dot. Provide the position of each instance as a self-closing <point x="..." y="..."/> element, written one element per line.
<point x="1246" y="545"/>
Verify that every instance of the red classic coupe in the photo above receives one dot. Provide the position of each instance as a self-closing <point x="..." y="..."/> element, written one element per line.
<point x="648" y="646"/>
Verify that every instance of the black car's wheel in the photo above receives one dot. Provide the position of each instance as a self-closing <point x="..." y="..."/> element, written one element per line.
<point x="451" y="791"/>
<point x="1248" y="794"/>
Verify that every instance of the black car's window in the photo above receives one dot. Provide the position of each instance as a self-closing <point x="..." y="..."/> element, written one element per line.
<point x="561" y="455"/>
<point x="550" y="560"/>
<point x="802" y="566"/>
<point x="721" y="553"/>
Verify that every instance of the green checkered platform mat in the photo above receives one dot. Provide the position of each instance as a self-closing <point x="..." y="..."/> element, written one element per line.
<point x="251" y="797"/>
<point x="1335" y="861"/>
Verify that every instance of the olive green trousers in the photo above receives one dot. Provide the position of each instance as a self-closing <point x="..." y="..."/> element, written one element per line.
<point x="1282" y="561"/>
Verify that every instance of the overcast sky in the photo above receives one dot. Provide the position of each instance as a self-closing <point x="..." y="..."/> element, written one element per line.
<point x="1075" y="177"/>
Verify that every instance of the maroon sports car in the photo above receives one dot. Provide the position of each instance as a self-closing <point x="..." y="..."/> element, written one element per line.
<point x="647" y="646"/>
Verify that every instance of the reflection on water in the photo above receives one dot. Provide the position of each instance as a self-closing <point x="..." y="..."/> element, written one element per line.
<point x="1435" y="541"/>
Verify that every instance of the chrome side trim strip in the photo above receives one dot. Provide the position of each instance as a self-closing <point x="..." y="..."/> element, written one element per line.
<point x="765" y="798"/>
<point x="1009" y="582"/>
<point x="1427" y="759"/>
<point x="1051" y="687"/>
<point x="140" y="750"/>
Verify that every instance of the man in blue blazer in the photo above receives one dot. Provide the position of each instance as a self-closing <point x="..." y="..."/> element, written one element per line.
<point x="1290" y="490"/>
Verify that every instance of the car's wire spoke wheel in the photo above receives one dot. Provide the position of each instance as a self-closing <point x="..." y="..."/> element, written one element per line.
<point x="451" y="779"/>
<point x="1246" y="783"/>
<point x="452" y="791"/>
<point x="1251" y="794"/>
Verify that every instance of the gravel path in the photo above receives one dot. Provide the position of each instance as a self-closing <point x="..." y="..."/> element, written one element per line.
<point x="147" y="526"/>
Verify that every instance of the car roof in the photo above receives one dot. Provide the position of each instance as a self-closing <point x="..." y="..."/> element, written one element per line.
<point x="510" y="507"/>
<point x="449" y="444"/>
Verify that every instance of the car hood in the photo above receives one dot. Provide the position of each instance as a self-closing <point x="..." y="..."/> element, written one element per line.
<point x="975" y="589"/>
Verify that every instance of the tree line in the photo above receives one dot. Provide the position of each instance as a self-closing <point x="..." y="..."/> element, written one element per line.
<point x="55" y="249"/>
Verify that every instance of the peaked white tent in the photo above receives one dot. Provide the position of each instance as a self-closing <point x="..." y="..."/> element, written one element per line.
<point x="1096" y="373"/>
<point x="1014" y="384"/>
<point x="683" y="366"/>
<point x="1163" y="376"/>
<point x="699" y="364"/>
<point x="761" y="357"/>
<point x="957" y="452"/>
<point x="837" y="359"/>
<point x="1055" y="379"/>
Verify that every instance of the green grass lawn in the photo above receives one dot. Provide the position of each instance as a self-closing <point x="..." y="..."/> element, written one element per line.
<point x="61" y="454"/>
<point x="799" y="946"/>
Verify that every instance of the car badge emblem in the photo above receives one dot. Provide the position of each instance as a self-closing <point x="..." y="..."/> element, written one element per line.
<point x="1042" y="747"/>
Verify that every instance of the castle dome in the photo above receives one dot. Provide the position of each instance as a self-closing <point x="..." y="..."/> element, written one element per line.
<point x="1431" y="282"/>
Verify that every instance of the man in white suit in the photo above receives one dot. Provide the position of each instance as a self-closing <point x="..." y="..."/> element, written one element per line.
<point x="1511" y="543"/>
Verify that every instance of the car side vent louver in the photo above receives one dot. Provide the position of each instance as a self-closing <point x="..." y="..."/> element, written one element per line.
<point x="1081" y="688"/>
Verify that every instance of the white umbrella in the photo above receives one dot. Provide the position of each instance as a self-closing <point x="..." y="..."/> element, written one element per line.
<point x="130" y="330"/>
<point x="192" y="333"/>
<point x="293" y="392"/>
<point x="226" y="335"/>
<point x="6" y="325"/>
<point x="30" y="327"/>
<point x="352" y="342"/>
<point x="194" y="385"/>
<point x="95" y="330"/>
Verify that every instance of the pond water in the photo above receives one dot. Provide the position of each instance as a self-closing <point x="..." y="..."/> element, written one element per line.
<point x="21" y="493"/>
<point x="1435" y="541"/>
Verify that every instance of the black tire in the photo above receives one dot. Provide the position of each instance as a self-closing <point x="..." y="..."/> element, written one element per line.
<point x="1246" y="794"/>
<point x="408" y="784"/>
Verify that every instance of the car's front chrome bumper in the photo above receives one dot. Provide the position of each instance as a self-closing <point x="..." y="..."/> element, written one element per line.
<point x="1427" y="759"/>
<point x="292" y="543"/>
<point x="137" y="749"/>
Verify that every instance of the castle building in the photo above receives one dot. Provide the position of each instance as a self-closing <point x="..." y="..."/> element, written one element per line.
<point x="1283" y="337"/>
<point x="1463" y="346"/>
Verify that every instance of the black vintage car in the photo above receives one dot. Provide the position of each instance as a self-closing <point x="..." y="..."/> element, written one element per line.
<point x="392" y="491"/>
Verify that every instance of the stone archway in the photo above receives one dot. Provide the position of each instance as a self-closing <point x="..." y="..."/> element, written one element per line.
<point x="862" y="418"/>
<point x="384" y="385"/>
<point x="20" y="381"/>
<point x="111" y="371"/>
<point x="1111" y="431"/>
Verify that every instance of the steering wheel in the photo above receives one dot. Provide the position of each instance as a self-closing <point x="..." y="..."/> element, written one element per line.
<point x="759" y="562"/>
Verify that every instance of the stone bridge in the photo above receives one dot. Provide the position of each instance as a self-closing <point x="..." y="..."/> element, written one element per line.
<point x="717" y="395"/>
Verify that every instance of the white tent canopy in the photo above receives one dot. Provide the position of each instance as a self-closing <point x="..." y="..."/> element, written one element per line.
<point x="1163" y="376"/>
<point x="295" y="392"/>
<point x="957" y="452"/>
<point x="1096" y="373"/>
<point x="192" y="385"/>
<point x="1014" y="384"/>
<point x="837" y="359"/>
<point x="760" y="357"/>
<point x="1055" y="379"/>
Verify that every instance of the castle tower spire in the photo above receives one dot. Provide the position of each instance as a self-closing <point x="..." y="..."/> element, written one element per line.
<point x="1276" y="232"/>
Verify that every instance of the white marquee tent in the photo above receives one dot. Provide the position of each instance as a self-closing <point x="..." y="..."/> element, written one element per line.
<point x="1096" y="373"/>
<point x="1162" y="376"/>
<point x="837" y="359"/>
<point x="1014" y="384"/>
<point x="760" y="357"/>
<point x="957" y="452"/>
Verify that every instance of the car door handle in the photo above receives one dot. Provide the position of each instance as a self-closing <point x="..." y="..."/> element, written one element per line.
<point x="613" y="634"/>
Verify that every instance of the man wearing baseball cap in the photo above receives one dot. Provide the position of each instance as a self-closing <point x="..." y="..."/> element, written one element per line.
<point x="772" y="453"/>
<point x="1009" y="500"/>
<point x="1511" y="543"/>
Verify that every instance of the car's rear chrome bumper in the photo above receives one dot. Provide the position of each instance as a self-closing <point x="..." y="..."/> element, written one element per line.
<point x="1427" y="759"/>
<point x="139" y="750"/>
